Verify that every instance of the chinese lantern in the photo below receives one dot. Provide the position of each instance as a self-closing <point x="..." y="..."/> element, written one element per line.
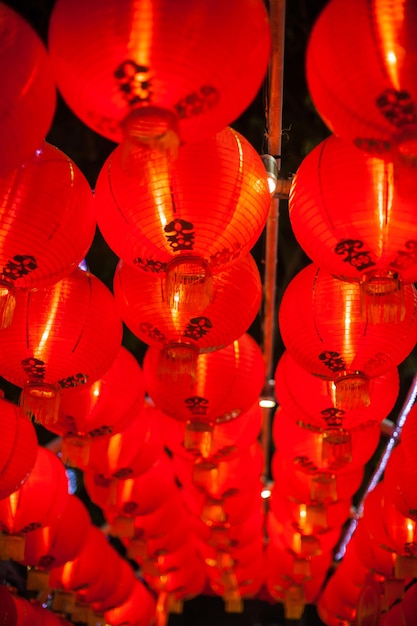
<point x="164" y="71"/>
<point x="47" y="204"/>
<point x="122" y="587"/>
<point x="129" y="453"/>
<point x="123" y="501"/>
<point x="18" y="448"/>
<point x="318" y="485"/>
<point x="227" y="382"/>
<point x="15" y="610"/>
<point x="337" y="603"/>
<point x="96" y="411"/>
<point x="179" y="335"/>
<point x="184" y="220"/>
<point x="61" y="337"/>
<point x="40" y="499"/>
<point x="400" y="482"/>
<point x="323" y="330"/>
<point x="314" y="451"/>
<point x="366" y="91"/>
<point x="358" y="228"/>
<point x="224" y="441"/>
<point x="315" y="406"/>
<point x="138" y="608"/>
<point x="60" y="541"/>
<point x="28" y="99"/>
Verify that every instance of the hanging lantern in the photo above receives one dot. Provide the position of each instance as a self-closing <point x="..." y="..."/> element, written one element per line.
<point x="222" y="441"/>
<point x="129" y="453"/>
<point x="227" y="382"/>
<point x="15" y="610"/>
<point x="61" y="541"/>
<point x="323" y="330"/>
<point x="48" y="206"/>
<point x="27" y="104"/>
<point x="40" y="499"/>
<point x="358" y="228"/>
<point x="187" y="219"/>
<point x="400" y="480"/>
<point x="313" y="451"/>
<point x="139" y="607"/>
<point x="122" y="587"/>
<point x="180" y="336"/>
<point x="314" y="407"/>
<point x="366" y="91"/>
<point x="61" y="337"/>
<point x="145" y="81"/>
<point x="323" y="485"/>
<point x="18" y="448"/>
<point x="101" y="409"/>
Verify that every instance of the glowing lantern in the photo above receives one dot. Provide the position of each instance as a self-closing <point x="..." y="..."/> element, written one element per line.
<point x="323" y="330"/>
<point x="329" y="450"/>
<point x="28" y="98"/>
<point x="138" y="608"/>
<point x="48" y="206"/>
<point x="15" y="610"/>
<point x="122" y="587"/>
<point x="35" y="504"/>
<point x="227" y="382"/>
<point x="61" y="541"/>
<point x="131" y="452"/>
<point x="99" y="410"/>
<point x="181" y="336"/>
<point x="400" y="482"/>
<point x="358" y="228"/>
<point x="315" y="408"/>
<point x="18" y="448"/>
<point x="187" y="219"/>
<point x="224" y="440"/>
<point x="366" y="91"/>
<point x="61" y="337"/>
<point x="145" y="81"/>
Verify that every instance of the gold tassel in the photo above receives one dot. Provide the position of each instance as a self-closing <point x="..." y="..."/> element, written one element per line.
<point x="76" y="450"/>
<point x="405" y="566"/>
<point x="336" y="449"/>
<point x="12" y="547"/>
<point x="64" y="601"/>
<point x="41" y="401"/>
<point x="178" y="363"/>
<point x="198" y="438"/>
<point x="351" y="391"/>
<point x="37" y="580"/>
<point x="382" y="298"/>
<point x="7" y="304"/>
<point x="324" y="487"/>
<point x="188" y="285"/>
<point x="294" y="602"/>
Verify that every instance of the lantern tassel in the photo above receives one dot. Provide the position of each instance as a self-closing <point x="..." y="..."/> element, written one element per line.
<point x="198" y="438"/>
<point x="154" y="127"/>
<point x="75" y="450"/>
<point x="336" y="448"/>
<point x="178" y="363"/>
<point x="382" y="299"/>
<point x="351" y="391"/>
<point x="7" y="303"/>
<point x="41" y="401"/>
<point x="188" y="285"/>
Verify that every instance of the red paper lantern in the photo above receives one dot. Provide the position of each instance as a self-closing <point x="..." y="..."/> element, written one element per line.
<point x="60" y="541"/>
<point x="83" y="571"/>
<point x="18" y="448"/>
<point x="400" y="480"/>
<point x="224" y="441"/>
<point x="28" y="98"/>
<point x="164" y="70"/>
<point x="227" y="382"/>
<point x="61" y="337"/>
<point x="365" y="91"/>
<point x="138" y="608"/>
<point x="323" y="330"/>
<point x="122" y="587"/>
<point x="133" y="496"/>
<point x="99" y="410"/>
<point x="358" y="228"/>
<point x="185" y="219"/>
<point x="331" y="450"/>
<point x="181" y="336"/>
<point x="35" y="504"/>
<point x="48" y="206"/>
<point x="131" y="452"/>
<point x="314" y="407"/>
<point x="318" y="485"/>
<point x="15" y="610"/>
